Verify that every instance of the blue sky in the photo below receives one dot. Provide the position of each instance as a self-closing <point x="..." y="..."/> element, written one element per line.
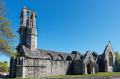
<point x="71" y="25"/>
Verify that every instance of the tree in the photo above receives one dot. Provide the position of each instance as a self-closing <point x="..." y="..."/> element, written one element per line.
<point x="6" y="33"/>
<point x="5" y="62"/>
<point x="4" y="66"/>
<point x="118" y="58"/>
<point x="1" y="63"/>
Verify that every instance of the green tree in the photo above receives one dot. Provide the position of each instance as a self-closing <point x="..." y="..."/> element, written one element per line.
<point x="118" y="58"/>
<point x="6" y="33"/>
<point x="1" y="64"/>
<point x="4" y="66"/>
<point x="5" y="62"/>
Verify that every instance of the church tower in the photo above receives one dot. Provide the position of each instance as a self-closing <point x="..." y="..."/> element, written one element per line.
<point x="28" y="31"/>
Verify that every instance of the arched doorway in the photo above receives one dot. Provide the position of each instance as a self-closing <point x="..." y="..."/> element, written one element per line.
<point x="90" y="67"/>
<point x="110" y="59"/>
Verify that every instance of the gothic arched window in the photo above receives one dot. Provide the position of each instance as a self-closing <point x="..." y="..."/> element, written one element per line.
<point x="110" y="59"/>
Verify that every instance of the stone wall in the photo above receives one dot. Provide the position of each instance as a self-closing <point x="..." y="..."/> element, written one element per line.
<point x="41" y="68"/>
<point x="13" y="62"/>
<point x="77" y="68"/>
<point x="101" y="63"/>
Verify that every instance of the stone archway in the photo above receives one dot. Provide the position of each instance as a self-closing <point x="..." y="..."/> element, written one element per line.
<point x="90" y="67"/>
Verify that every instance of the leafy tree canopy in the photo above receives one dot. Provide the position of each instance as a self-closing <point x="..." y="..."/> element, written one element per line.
<point x="6" y="33"/>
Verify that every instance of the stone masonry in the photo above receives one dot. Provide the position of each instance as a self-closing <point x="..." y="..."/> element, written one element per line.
<point x="34" y="62"/>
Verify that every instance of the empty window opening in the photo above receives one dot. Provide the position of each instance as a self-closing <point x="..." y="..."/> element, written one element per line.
<point x="31" y="15"/>
<point x="27" y="14"/>
<point x="27" y="23"/>
<point x="110" y="59"/>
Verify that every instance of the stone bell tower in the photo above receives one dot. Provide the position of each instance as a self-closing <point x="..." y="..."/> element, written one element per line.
<point x="28" y="31"/>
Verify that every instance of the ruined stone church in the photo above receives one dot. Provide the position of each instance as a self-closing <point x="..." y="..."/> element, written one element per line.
<point x="34" y="62"/>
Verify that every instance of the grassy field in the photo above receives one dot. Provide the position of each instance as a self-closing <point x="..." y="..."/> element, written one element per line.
<point x="89" y="75"/>
<point x="99" y="74"/>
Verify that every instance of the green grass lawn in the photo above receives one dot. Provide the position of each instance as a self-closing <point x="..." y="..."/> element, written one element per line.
<point x="90" y="75"/>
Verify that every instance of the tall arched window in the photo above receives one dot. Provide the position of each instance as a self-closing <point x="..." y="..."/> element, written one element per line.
<point x="31" y="19"/>
<point x="110" y="59"/>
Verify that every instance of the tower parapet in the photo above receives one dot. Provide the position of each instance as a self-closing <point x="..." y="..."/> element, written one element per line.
<point x="28" y="18"/>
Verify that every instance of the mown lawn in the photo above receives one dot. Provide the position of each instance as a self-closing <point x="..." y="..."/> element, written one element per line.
<point x="90" y="75"/>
